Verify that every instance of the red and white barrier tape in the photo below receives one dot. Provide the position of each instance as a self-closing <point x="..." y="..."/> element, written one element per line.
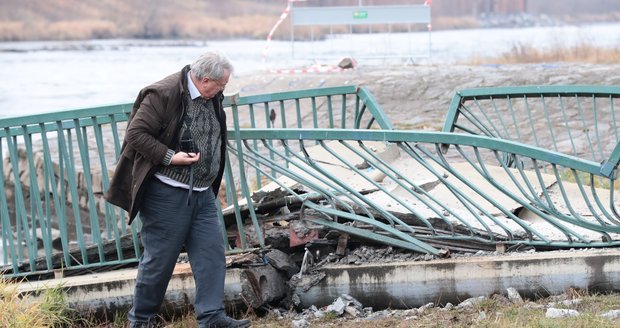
<point x="429" y="3"/>
<point x="283" y="16"/>
<point x="311" y="69"/>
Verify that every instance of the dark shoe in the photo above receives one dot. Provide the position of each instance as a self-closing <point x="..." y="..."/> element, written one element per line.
<point x="228" y="322"/>
<point x="139" y="324"/>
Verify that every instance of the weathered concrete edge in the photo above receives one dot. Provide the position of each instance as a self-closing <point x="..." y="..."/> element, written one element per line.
<point x="111" y="293"/>
<point x="412" y="284"/>
<point x="395" y="285"/>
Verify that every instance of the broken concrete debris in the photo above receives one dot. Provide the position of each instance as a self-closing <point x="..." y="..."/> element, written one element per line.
<point x="347" y="307"/>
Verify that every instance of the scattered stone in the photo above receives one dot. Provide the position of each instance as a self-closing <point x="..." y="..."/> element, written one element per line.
<point x="560" y="313"/>
<point x="612" y="314"/>
<point x="281" y="261"/>
<point x="514" y="296"/>
<point x="346" y="304"/>
<point x="470" y="302"/>
<point x="302" y="323"/>
<point x="337" y="307"/>
<point x="425" y="307"/>
<point x="347" y="62"/>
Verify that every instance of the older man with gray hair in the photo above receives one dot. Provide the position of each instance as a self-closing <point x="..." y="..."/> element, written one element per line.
<point x="170" y="170"/>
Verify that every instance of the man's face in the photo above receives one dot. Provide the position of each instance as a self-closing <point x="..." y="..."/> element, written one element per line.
<point x="209" y="88"/>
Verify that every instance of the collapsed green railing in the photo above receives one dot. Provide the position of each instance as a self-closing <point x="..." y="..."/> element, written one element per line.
<point x="576" y="120"/>
<point x="331" y="158"/>
<point x="56" y="167"/>
<point x="487" y="184"/>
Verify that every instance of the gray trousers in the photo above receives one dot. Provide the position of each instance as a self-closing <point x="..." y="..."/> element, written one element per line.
<point x="168" y="223"/>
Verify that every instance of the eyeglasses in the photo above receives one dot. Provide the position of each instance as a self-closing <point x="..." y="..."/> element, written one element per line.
<point x="220" y="84"/>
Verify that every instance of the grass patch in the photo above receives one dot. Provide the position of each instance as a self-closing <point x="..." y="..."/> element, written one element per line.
<point x="583" y="52"/>
<point x="18" y="310"/>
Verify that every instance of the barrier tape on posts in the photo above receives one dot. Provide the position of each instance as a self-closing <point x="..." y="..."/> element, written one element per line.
<point x="429" y="3"/>
<point x="283" y="16"/>
<point x="311" y="69"/>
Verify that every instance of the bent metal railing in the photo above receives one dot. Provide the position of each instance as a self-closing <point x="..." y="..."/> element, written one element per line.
<point x="399" y="188"/>
<point x="55" y="168"/>
<point x="577" y="120"/>
<point x="306" y="159"/>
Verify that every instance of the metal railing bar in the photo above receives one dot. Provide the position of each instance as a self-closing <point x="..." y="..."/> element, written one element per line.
<point x="427" y="137"/>
<point x="351" y="193"/>
<point x="537" y="90"/>
<point x="332" y="193"/>
<point x="35" y="126"/>
<point x="65" y="115"/>
<point x="377" y="114"/>
<point x="56" y="194"/>
<point x="244" y="187"/>
<point x="81" y="135"/>
<point x="599" y="203"/>
<point x="8" y="241"/>
<point x="67" y="155"/>
<point x="287" y="95"/>
<point x="514" y="118"/>
<point x="482" y="170"/>
<point x="366" y="200"/>
<point x="548" y="119"/>
<point x="566" y="124"/>
<point x="586" y="130"/>
<point x="396" y="176"/>
<point x="285" y="171"/>
<point x="456" y="192"/>
<point x="613" y="117"/>
<point x="235" y="201"/>
<point x="499" y="116"/>
<point x="596" y="129"/>
<point x="21" y="220"/>
<point x="469" y="115"/>
<point x="343" y="121"/>
<point x="36" y="208"/>
<point x="109" y="218"/>
<point x="531" y="122"/>
<point x="418" y="246"/>
<point x="487" y="118"/>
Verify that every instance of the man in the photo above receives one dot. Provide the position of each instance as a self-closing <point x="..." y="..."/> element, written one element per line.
<point x="170" y="169"/>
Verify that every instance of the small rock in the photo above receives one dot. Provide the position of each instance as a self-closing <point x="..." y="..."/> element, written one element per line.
<point x="471" y="302"/>
<point x="514" y="296"/>
<point x="613" y="314"/>
<point x="302" y="323"/>
<point x="560" y="313"/>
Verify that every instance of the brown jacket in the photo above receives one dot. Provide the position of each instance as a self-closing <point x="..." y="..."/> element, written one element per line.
<point x="152" y="129"/>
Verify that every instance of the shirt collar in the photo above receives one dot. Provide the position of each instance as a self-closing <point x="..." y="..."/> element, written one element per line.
<point x="193" y="90"/>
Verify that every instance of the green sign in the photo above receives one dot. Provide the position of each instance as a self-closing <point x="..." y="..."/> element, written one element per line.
<point x="362" y="14"/>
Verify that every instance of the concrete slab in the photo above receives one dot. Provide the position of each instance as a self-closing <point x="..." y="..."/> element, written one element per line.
<point x="379" y="285"/>
<point x="108" y="293"/>
<point x="335" y="167"/>
<point x="413" y="284"/>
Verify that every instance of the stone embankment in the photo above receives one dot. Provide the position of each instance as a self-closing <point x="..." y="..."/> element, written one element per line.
<point x="416" y="97"/>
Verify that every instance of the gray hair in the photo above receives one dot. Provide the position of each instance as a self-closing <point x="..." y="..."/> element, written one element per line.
<point x="212" y="65"/>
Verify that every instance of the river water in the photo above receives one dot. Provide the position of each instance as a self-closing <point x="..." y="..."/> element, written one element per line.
<point x="39" y="77"/>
